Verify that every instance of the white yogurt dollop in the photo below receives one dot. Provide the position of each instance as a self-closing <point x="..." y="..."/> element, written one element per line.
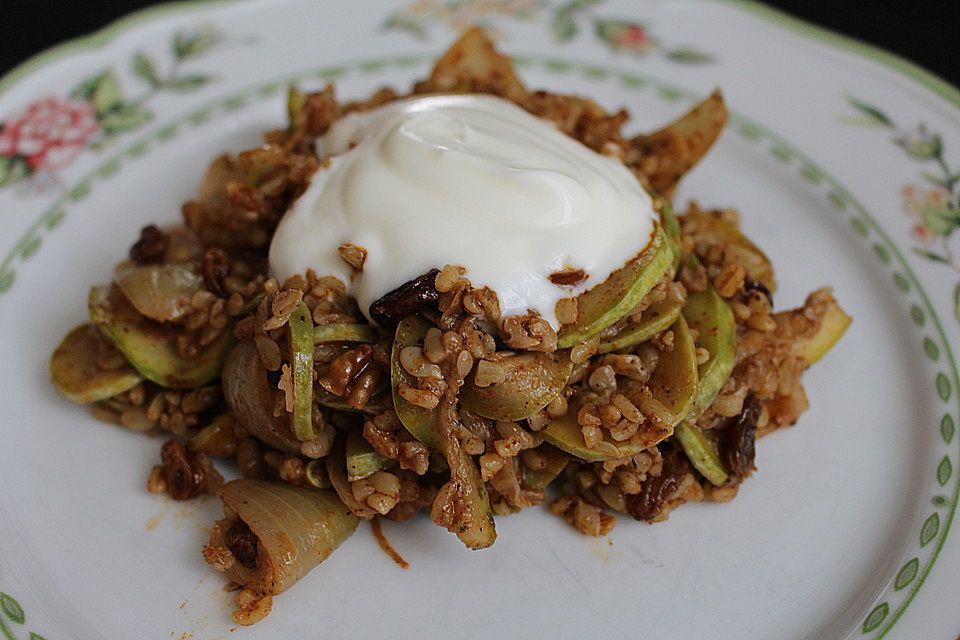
<point x="468" y="180"/>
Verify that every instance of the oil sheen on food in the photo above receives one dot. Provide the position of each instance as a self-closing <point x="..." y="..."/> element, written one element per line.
<point x="467" y="180"/>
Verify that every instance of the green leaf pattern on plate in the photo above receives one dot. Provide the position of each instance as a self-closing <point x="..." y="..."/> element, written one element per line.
<point x="956" y="301"/>
<point x="947" y="428"/>
<point x="11" y="613"/>
<point x="876" y="617"/>
<point x="944" y="470"/>
<point x="6" y="280"/>
<point x="930" y="528"/>
<point x="189" y="44"/>
<point x="11" y="608"/>
<point x="144" y="68"/>
<point x="943" y="387"/>
<point x="906" y="575"/>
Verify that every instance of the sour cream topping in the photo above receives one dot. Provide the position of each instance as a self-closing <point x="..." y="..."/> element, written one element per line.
<point x="467" y="180"/>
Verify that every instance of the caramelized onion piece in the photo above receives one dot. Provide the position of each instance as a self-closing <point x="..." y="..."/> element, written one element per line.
<point x="472" y="64"/>
<point x="677" y="147"/>
<point x="335" y="466"/>
<point x="250" y="396"/>
<point x="183" y="245"/>
<point x="274" y="534"/>
<point x="161" y="292"/>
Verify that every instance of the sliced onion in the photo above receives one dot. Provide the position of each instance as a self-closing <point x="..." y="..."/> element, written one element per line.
<point x="161" y="292"/>
<point x="296" y="529"/>
<point x="336" y="467"/>
<point x="250" y="396"/>
<point x="183" y="245"/>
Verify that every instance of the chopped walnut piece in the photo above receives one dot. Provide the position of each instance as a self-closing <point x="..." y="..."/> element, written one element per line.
<point x="584" y="516"/>
<point x="215" y="268"/>
<point x="530" y="332"/>
<point x="353" y="255"/>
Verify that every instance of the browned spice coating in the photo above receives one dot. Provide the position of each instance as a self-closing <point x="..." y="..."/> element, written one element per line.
<point x="385" y="545"/>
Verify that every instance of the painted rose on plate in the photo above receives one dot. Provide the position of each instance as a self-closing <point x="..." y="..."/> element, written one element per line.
<point x="48" y="134"/>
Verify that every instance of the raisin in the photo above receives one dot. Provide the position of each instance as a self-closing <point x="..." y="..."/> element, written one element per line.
<point x="151" y="246"/>
<point x="243" y="544"/>
<point x="738" y="439"/>
<point x="214" y="269"/>
<point x="749" y="286"/>
<point x="655" y="492"/>
<point x="184" y="471"/>
<point x="405" y="299"/>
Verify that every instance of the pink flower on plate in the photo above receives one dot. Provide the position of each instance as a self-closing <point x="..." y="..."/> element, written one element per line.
<point x="622" y="35"/>
<point x="50" y="133"/>
<point x="933" y="210"/>
<point x="916" y="199"/>
<point x="632" y="37"/>
<point x="922" y="233"/>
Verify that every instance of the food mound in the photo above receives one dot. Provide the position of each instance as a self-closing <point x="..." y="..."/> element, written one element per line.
<point x="637" y="392"/>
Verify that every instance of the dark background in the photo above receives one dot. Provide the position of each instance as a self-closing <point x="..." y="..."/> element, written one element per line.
<point x="924" y="31"/>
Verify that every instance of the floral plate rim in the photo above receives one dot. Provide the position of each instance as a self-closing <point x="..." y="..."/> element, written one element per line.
<point x="104" y="35"/>
<point x="99" y="39"/>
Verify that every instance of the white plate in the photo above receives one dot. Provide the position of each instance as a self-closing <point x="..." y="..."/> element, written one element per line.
<point x="842" y="533"/>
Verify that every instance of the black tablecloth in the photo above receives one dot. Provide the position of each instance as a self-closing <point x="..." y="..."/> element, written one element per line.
<point x="924" y="31"/>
